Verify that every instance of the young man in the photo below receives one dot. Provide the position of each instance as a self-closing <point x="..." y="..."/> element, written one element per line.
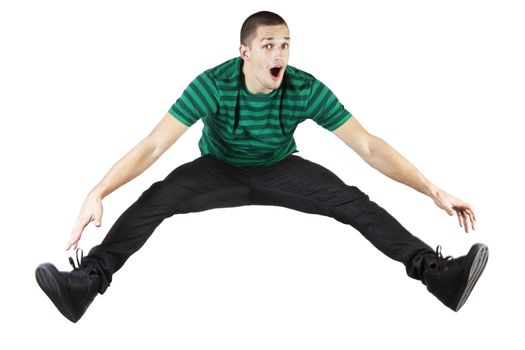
<point x="250" y="107"/>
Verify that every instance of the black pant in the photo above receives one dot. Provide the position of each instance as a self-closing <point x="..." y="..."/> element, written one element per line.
<point x="294" y="182"/>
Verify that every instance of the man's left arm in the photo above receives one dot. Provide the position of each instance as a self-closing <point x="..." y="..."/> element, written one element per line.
<point x="382" y="157"/>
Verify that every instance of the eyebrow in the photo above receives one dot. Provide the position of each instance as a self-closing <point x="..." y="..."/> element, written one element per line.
<point x="271" y="38"/>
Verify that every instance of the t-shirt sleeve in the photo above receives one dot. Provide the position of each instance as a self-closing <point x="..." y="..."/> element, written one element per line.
<point x="324" y="108"/>
<point x="200" y="99"/>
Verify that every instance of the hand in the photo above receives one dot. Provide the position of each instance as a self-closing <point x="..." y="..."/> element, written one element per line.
<point x="463" y="210"/>
<point x="91" y="211"/>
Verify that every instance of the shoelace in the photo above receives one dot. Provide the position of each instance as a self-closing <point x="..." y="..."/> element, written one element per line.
<point x="438" y="252"/>
<point x="79" y="260"/>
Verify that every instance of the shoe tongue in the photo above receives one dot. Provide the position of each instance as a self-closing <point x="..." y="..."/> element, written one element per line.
<point x="79" y="273"/>
<point x="84" y="270"/>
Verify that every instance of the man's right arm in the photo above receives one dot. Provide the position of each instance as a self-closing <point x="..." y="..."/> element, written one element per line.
<point x="142" y="156"/>
<point x="134" y="163"/>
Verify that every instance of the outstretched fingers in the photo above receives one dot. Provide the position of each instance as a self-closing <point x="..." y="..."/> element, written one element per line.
<point x="77" y="233"/>
<point x="458" y="212"/>
<point x="466" y="217"/>
<point x="465" y="220"/>
<point x="472" y="217"/>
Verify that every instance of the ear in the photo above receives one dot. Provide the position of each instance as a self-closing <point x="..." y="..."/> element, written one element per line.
<point x="244" y="52"/>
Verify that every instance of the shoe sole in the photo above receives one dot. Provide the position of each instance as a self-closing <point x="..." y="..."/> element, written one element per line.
<point x="47" y="277"/>
<point x="479" y="262"/>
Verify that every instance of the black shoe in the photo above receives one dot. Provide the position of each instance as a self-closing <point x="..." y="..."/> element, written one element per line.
<point x="451" y="280"/>
<point x="71" y="292"/>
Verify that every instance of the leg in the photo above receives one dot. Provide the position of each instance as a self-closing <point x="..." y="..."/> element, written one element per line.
<point x="305" y="186"/>
<point x="202" y="184"/>
<point x="302" y="185"/>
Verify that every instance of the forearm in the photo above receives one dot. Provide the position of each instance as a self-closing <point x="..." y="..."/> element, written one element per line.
<point x="388" y="161"/>
<point x="126" y="169"/>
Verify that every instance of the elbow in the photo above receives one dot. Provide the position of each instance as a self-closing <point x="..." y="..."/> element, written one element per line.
<point x="367" y="148"/>
<point x="372" y="148"/>
<point x="151" y="148"/>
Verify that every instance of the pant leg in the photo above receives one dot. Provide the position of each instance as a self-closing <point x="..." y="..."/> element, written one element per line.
<point x="202" y="184"/>
<point x="302" y="185"/>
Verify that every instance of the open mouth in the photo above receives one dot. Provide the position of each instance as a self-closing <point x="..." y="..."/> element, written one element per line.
<point x="275" y="71"/>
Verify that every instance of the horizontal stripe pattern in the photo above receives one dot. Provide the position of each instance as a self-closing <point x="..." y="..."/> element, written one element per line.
<point x="246" y="129"/>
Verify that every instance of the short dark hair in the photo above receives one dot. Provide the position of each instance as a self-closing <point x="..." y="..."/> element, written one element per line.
<point x="262" y="18"/>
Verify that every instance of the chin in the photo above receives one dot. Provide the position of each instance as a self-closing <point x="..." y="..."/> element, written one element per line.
<point x="276" y="84"/>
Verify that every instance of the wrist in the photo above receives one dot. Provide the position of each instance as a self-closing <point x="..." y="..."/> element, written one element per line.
<point x="433" y="191"/>
<point x="97" y="193"/>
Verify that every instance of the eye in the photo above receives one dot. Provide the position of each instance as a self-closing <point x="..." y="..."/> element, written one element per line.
<point x="285" y="46"/>
<point x="268" y="46"/>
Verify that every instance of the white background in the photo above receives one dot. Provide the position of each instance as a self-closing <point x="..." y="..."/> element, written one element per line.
<point x="82" y="82"/>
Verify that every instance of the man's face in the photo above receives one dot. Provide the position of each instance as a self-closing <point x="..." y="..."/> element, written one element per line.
<point x="266" y="58"/>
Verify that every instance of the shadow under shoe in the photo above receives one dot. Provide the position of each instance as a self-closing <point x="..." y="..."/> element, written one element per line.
<point x="71" y="292"/>
<point x="451" y="280"/>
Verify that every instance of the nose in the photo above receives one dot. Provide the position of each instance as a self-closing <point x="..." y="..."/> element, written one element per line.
<point x="277" y="54"/>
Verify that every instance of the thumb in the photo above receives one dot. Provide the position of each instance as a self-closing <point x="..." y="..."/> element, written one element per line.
<point x="448" y="208"/>
<point x="98" y="215"/>
<point x="98" y="220"/>
<point x="445" y="206"/>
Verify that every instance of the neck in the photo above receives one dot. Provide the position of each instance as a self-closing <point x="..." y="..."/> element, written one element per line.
<point x="252" y="83"/>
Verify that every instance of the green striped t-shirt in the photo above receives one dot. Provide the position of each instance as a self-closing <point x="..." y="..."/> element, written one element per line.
<point x="246" y="129"/>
